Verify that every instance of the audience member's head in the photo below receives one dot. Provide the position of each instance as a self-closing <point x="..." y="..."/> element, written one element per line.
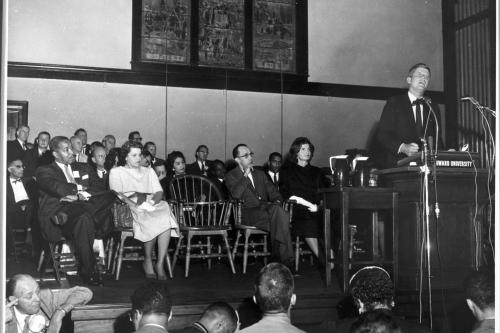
<point x="130" y="154"/>
<point x="220" y="317"/>
<point x="243" y="156"/>
<point x="274" y="288"/>
<point x="146" y="159"/>
<point x="93" y="146"/>
<point x="135" y="136"/>
<point x="480" y="294"/>
<point x="61" y="150"/>
<point x="372" y="288"/>
<point x="176" y="163"/>
<point x="27" y="292"/>
<point x="201" y="153"/>
<point x="109" y="142"/>
<point x="377" y="321"/>
<point x="42" y="140"/>
<point x="274" y="162"/>
<point x="82" y="134"/>
<point x="151" y="304"/>
<point x="161" y="170"/>
<point x="15" y="168"/>
<point x="302" y="149"/>
<point x="112" y="158"/>
<point x="23" y="132"/>
<point x="150" y="146"/>
<point x="218" y="169"/>
<point x="76" y="144"/>
<point x="99" y="157"/>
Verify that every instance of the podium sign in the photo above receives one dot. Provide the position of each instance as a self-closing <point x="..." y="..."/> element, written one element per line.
<point x="455" y="239"/>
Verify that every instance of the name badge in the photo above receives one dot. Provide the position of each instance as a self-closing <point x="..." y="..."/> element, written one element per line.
<point x="76" y="174"/>
<point x="85" y="176"/>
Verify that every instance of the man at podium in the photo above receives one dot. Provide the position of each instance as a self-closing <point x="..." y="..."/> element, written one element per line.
<point x="407" y="120"/>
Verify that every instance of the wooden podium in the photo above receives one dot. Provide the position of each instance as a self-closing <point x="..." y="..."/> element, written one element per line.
<point x="455" y="239"/>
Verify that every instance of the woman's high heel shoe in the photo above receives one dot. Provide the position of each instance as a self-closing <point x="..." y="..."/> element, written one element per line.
<point x="162" y="276"/>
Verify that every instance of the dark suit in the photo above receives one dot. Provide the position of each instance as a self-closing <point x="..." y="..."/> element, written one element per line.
<point x="19" y="215"/>
<point x="397" y="125"/>
<point x="262" y="208"/>
<point x="83" y="216"/>
<point x="194" y="168"/>
<point x="32" y="160"/>
<point x="14" y="150"/>
<point x="221" y="185"/>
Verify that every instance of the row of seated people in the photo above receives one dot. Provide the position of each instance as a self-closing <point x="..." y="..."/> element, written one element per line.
<point x="371" y="289"/>
<point x="126" y="171"/>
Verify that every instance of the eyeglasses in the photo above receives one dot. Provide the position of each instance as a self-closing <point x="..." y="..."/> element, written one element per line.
<point x="246" y="155"/>
<point x="19" y="166"/>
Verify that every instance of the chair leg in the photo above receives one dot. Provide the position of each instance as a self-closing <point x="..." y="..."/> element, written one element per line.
<point x="110" y="246"/>
<point x="188" y="254"/>
<point x="169" y="266"/>
<point x="265" y="249"/>
<point x="235" y="248"/>
<point x="120" y="256"/>
<point x="177" y="248"/>
<point x="297" y="252"/>
<point x="245" y="251"/>
<point x="40" y="261"/>
<point x="55" y="263"/>
<point x="229" y="256"/>
<point x="209" y="252"/>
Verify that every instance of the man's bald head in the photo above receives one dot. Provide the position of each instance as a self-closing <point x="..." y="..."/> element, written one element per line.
<point x="26" y="291"/>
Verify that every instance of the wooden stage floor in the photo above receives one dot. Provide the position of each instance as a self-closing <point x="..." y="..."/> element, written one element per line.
<point x="315" y="302"/>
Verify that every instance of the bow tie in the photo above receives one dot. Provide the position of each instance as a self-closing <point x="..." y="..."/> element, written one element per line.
<point x="16" y="180"/>
<point x="418" y="101"/>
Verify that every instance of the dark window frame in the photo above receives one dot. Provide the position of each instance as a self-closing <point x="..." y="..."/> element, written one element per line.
<point x="194" y="73"/>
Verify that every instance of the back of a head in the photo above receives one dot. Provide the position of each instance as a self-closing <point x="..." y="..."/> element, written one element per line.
<point x="221" y="316"/>
<point x="274" y="288"/>
<point x="480" y="288"/>
<point x="375" y="322"/>
<point x="372" y="286"/>
<point x="152" y="298"/>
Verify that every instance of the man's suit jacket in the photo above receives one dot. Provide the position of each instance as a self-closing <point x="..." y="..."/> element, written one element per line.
<point x="32" y="160"/>
<point x="53" y="186"/>
<point x="194" y="168"/>
<point x="11" y="200"/>
<point x="397" y="125"/>
<point x="241" y="188"/>
<point x="14" y="150"/>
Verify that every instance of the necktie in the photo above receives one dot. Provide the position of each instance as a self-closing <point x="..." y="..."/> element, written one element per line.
<point x="24" y="146"/>
<point x="68" y="174"/>
<point x="275" y="178"/>
<point x="418" y="110"/>
<point x="26" y="328"/>
<point x="16" y="180"/>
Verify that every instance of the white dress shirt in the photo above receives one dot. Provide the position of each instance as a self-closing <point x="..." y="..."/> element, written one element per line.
<point x="63" y="168"/>
<point x="20" y="193"/>
<point x="271" y="174"/>
<point x="21" y="318"/>
<point x="414" y="108"/>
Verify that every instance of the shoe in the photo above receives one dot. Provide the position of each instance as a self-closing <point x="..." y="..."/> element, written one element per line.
<point x="162" y="276"/>
<point x="60" y="218"/>
<point x="93" y="280"/>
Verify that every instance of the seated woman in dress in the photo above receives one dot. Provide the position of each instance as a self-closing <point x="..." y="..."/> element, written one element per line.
<point x="300" y="179"/>
<point x="176" y="166"/>
<point x="139" y="187"/>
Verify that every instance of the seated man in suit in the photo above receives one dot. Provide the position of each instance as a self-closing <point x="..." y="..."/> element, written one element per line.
<point x="109" y="142"/>
<point x="73" y="204"/>
<point x="77" y="148"/>
<point x="39" y="155"/>
<point x="18" y="147"/>
<point x="97" y="160"/>
<point x="261" y="203"/>
<point x="37" y="308"/>
<point x="273" y="167"/>
<point x="20" y="206"/>
<point x="151" y="147"/>
<point x="201" y="166"/>
<point x="217" y="174"/>
<point x="135" y="136"/>
<point x="82" y="134"/>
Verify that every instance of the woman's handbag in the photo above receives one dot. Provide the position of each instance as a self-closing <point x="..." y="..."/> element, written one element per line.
<point x="122" y="215"/>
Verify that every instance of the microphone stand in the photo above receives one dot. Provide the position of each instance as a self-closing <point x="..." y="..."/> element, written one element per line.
<point x="425" y="169"/>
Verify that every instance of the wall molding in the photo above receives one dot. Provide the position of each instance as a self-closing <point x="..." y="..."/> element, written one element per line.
<point x="207" y="79"/>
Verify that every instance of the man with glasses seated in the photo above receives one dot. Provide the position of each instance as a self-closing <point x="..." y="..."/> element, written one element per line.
<point x="135" y="136"/>
<point x="29" y="309"/>
<point x="262" y="206"/>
